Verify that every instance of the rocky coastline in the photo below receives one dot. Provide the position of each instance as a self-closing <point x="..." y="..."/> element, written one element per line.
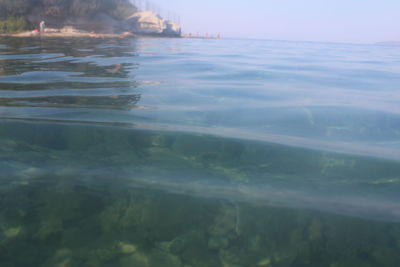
<point x="64" y="21"/>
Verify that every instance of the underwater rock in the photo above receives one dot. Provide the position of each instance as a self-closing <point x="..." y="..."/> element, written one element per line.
<point x="126" y="212"/>
<point x="48" y="227"/>
<point x="137" y="259"/>
<point x="177" y="245"/>
<point x="99" y="256"/>
<point x="229" y="258"/>
<point x="163" y="259"/>
<point x="56" y="208"/>
<point x="29" y="173"/>
<point x="61" y="258"/>
<point x="193" y="250"/>
<point x="225" y="227"/>
<point x="12" y="232"/>
<point x="8" y="144"/>
<point x="265" y="262"/>
<point x="315" y="230"/>
<point x="65" y="263"/>
<point x="126" y="248"/>
<point x="13" y="209"/>
<point x="218" y="242"/>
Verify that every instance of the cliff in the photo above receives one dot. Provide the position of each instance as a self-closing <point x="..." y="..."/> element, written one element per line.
<point x="103" y="16"/>
<point x="149" y="23"/>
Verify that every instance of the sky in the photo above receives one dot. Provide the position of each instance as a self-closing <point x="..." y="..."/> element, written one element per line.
<point x="348" y="21"/>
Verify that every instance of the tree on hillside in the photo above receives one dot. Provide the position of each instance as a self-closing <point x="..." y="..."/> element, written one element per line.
<point x="55" y="8"/>
<point x="115" y="8"/>
<point x="82" y="8"/>
<point x="122" y="9"/>
<point x="19" y="15"/>
<point x="16" y="8"/>
<point x="65" y="8"/>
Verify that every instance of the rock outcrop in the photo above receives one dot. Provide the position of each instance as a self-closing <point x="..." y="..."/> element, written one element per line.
<point x="173" y="29"/>
<point x="149" y="23"/>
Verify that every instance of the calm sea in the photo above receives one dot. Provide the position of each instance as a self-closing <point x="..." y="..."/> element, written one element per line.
<point x="198" y="153"/>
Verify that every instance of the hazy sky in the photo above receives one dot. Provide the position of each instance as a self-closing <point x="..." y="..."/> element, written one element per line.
<point x="359" y="21"/>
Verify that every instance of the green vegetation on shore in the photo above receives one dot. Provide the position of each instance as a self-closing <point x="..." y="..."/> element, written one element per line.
<point x="20" y="15"/>
<point x="13" y="25"/>
<point x="16" y="8"/>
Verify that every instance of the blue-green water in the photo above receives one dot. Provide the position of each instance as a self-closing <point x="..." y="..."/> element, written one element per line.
<point x="180" y="152"/>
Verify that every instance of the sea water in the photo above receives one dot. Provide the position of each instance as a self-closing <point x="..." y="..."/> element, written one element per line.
<point x="186" y="152"/>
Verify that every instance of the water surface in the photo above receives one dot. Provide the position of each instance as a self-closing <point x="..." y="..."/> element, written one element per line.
<point x="181" y="152"/>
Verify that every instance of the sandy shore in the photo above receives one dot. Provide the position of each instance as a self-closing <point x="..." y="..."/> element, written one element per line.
<point x="69" y="32"/>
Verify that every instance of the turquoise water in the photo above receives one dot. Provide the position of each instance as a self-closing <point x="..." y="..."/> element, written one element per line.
<point x="185" y="152"/>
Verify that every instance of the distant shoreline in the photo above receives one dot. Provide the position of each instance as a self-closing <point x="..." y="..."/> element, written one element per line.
<point x="389" y="43"/>
<point x="67" y="32"/>
<point x="79" y="34"/>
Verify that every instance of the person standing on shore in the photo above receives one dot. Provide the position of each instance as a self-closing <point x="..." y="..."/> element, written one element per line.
<point x="42" y="27"/>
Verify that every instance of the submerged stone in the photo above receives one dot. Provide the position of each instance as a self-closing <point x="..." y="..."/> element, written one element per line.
<point x="12" y="232"/>
<point x="126" y="248"/>
<point x="265" y="262"/>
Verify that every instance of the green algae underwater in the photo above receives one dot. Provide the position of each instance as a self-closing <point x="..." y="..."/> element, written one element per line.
<point x="198" y="153"/>
<point x="79" y="195"/>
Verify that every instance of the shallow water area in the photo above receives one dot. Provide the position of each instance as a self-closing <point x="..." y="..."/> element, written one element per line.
<point x="175" y="152"/>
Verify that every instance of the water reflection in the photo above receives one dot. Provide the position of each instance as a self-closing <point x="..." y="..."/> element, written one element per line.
<point x="107" y="102"/>
<point x="275" y="93"/>
<point x="62" y="71"/>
